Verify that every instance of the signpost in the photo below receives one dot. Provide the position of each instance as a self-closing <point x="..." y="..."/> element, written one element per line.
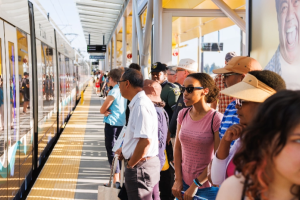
<point x="97" y="57"/>
<point x="212" y="47"/>
<point x="96" y="48"/>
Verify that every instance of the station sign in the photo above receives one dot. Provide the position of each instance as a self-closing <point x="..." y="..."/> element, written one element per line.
<point x="97" y="57"/>
<point x="212" y="47"/>
<point x="95" y="63"/>
<point x="96" y="48"/>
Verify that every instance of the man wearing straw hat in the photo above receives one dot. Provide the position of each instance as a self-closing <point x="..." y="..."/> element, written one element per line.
<point x="233" y="73"/>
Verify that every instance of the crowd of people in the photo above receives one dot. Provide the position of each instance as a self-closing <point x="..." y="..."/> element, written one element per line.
<point x="189" y="136"/>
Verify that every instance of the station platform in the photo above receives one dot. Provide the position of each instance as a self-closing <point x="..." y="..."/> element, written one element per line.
<point x="78" y="162"/>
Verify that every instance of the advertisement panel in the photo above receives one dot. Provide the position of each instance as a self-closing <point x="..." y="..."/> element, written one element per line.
<point x="275" y="38"/>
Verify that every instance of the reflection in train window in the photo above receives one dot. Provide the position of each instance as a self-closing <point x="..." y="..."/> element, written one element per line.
<point x="47" y="124"/>
<point x="25" y="101"/>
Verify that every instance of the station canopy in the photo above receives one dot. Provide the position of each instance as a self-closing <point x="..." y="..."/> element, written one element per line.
<point x="98" y="18"/>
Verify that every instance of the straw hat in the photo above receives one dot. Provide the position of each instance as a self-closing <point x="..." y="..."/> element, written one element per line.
<point x="250" y="89"/>
<point x="152" y="90"/>
<point x="240" y="65"/>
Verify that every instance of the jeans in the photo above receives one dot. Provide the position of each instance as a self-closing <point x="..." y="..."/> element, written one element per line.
<point x="111" y="135"/>
<point x="205" y="193"/>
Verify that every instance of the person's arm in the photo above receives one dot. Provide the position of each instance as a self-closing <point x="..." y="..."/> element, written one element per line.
<point x="178" y="185"/>
<point x="219" y="163"/>
<point x="173" y="98"/>
<point x="107" y="103"/>
<point x="140" y="151"/>
<point x="231" y="184"/>
<point x="232" y="133"/>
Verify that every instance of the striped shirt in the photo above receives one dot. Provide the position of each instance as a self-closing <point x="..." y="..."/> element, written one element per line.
<point x="230" y="117"/>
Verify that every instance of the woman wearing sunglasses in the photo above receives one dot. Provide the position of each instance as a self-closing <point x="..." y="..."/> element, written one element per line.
<point x="255" y="88"/>
<point x="197" y="137"/>
<point x="269" y="161"/>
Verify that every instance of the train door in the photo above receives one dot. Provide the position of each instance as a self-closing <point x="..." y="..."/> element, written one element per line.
<point x="12" y="95"/>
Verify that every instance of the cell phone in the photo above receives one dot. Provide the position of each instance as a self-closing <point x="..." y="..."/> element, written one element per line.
<point x="195" y="197"/>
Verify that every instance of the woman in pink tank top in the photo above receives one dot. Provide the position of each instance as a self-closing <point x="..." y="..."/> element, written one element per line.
<point x="197" y="136"/>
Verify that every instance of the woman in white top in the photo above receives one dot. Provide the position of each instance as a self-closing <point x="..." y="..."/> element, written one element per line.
<point x="269" y="159"/>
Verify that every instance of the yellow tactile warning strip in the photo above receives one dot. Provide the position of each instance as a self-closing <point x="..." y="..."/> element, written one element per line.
<point x="58" y="178"/>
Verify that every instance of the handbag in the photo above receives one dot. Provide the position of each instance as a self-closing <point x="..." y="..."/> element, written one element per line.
<point x="111" y="193"/>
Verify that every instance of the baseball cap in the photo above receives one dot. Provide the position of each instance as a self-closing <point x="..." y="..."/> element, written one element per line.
<point x="250" y="89"/>
<point x="240" y="65"/>
<point x="158" y="67"/>
<point x="152" y="90"/>
<point x="230" y="55"/>
<point x="187" y="64"/>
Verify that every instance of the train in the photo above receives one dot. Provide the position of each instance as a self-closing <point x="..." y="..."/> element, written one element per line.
<point x="41" y="80"/>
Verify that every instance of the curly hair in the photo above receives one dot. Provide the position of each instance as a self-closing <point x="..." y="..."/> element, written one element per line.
<point x="264" y="139"/>
<point x="270" y="78"/>
<point x="207" y="82"/>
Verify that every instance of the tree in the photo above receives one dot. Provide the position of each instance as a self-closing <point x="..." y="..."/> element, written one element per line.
<point x="206" y="68"/>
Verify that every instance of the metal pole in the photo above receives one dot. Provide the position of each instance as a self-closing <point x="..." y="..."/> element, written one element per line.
<point x="202" y="57"/>
<point x="134" y="36"/>
<point x="157" y="35"/>
<point x="124" y="41"/>
<point x="89" y="39"/>
<point x="147" y="39"/>
<point x="103" y="39"/>
<point x="231" y="14"/>
<point x="115" y="50"/>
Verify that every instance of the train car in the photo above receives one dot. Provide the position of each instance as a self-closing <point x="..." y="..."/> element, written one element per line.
<point x="40" y="78"/>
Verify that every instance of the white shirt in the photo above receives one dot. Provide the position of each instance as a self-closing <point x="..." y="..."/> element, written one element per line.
<point x="219" y="167"/>
<point x="290" y="74"/>
<point x="142" y="123"/>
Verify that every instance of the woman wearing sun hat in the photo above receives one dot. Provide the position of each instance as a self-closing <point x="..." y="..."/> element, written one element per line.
<point x="255" y="88"/>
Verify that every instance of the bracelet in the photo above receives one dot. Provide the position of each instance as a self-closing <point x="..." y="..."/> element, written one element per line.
<point x="196" y="181"/>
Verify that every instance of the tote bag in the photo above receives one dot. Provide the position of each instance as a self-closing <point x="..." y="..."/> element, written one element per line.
<point x="111" y="193"/>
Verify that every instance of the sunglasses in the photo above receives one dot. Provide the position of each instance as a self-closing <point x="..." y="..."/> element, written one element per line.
<point x="240" y="102"/>
<point x="121" y="81"/>
<point x="229" y="74"/>
<point x="190" y="89"/>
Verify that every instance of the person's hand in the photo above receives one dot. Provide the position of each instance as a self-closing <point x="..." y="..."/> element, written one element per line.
<point x="119" y="152"/>
<point x="168" y="139"/>
<point x="191" y="192"/>
<point x="176" y="189"/>
<point x="107" y="113"/>
<point x="233" y="132"/>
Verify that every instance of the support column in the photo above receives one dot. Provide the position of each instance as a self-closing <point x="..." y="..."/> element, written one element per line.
<point x="134" y="35"/>
<point x="124" y="41"/>
<point x="115" y="50"/>
<point x="106" y="61"/>
<point x="147" y="39"/>
<point x="157" y="12"/>
<point x="111" y="55"/>
<point x="166" y="41"/>
<point x="231" y="14"/>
